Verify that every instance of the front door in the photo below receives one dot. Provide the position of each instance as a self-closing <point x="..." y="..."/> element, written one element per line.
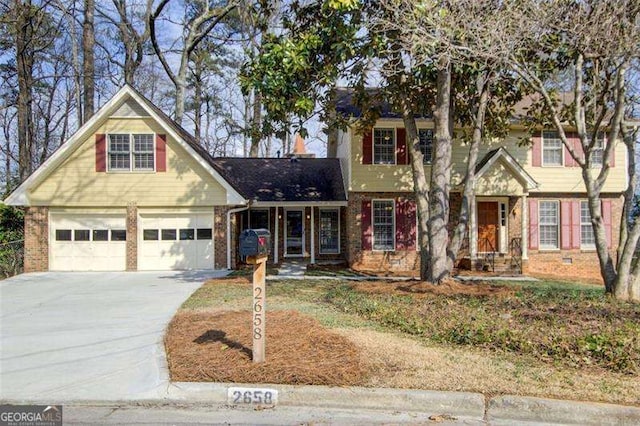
<point x="294" y="233"/>
<point x="487" y="226"/>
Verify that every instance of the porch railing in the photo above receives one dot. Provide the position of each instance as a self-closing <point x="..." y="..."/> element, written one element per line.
<point x="488" y="252"/>
<point x="515" y="250"/>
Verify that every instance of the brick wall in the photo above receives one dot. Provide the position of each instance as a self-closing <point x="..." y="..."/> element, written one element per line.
<point x="402" y="262"/>
<point x="220" y="236"/>
<point x="132" y="237"/>
<point x="36" y="239"/>
<point x="574" y="263"/>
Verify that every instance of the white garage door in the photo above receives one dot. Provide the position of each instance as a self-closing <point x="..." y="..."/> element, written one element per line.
<point x="176" y="241"/>
<point x="87" y="242"/>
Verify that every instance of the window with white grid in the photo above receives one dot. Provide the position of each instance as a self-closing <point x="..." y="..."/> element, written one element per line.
<point x="131" y="152"/>
<point x="384" y="146"/>
<point x="597" y="151"/>
<point x="548" y="212"/>
<point x="551" y="149"/>
<point x="383" y="225"/>
<point x="119" y="148"/>
<point x="143" y="152"/>
<point x="587" y="237"/>
<point x="426" y="144"/>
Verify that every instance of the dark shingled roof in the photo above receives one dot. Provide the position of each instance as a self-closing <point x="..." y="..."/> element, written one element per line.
<point x="271" y="179"/>
<point x="284" y="179"/>
<point x="486" y="159"/>
<point x="345" y="104"/>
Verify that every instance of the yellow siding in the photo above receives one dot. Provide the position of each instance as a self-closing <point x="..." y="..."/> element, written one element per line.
<point x="498" y="180"/>
<point x="76" y="183"/>
<point x="390" y="178"/>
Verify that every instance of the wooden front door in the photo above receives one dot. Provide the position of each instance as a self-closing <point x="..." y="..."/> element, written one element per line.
<point x="487" y="226"/>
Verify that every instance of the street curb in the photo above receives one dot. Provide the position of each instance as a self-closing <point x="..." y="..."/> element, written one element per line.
<point x="509" y="410"/>
<point x="466" y="407"/>
<point x="457" y="404"/>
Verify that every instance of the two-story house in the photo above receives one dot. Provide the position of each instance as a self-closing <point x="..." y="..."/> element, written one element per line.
<point x="132" y="190"/>
<point x="530" y="200"/>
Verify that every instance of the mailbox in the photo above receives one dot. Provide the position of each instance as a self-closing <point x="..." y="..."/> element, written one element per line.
<point x="255" y="242"/>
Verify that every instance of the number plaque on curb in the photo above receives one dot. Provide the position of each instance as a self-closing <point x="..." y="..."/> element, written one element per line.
<point x="259" y="306"/>
<point x="254" y="396"/>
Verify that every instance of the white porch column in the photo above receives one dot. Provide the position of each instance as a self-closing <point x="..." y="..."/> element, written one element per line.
<point x="525" y="228"/>
<point x="473" y="229"/>
<point x="275" y="240"/>
<point x="313" y="236"/>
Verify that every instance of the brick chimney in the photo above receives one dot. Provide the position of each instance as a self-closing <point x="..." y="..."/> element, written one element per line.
<point x="299" y="150"/>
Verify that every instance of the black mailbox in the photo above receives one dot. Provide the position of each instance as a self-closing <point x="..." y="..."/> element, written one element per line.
<point x="255" y="242"/>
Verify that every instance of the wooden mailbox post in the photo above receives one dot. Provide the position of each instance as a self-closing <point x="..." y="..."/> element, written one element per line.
<point x="259" y="306"/>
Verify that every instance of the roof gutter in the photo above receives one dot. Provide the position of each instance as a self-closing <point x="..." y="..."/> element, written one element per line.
<point x="229" y="213"/>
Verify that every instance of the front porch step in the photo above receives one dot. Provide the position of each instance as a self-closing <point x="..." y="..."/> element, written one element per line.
<point x="501" y="265"/>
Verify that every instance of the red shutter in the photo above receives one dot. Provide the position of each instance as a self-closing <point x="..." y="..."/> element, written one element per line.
<point x="405" y="224"/>
<point x="568" y="159"/>
<point x="401" y="224"/>
<point x="565" y="225"/>
<point x="575" y="225"/>
<point x="401" y="146"/>
<point x="367" y="147"/>
<point x="533" y="224"/>
<point x="410" y="210"/>
<point x="101" y="152"/>
<point x="577" y="147"/>
<point x="536" y="152"/>
<point x="365" y="218"/>
<point x="161" y="153"/>
<point x="606" y="218"/>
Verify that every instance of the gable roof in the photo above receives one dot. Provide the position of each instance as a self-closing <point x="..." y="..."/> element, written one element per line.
<point x="512" y="164"/>
<point x="177" y="132"/>
<point x="286" y="180"/>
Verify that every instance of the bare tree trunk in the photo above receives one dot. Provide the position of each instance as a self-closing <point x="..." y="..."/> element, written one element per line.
<point x="24" y="63"/>
<point x="420" y="185"/>
<point x="460" y="231"/>
<point x="256" y="123"/>
<point x="88" y="59"/>
<point x="197" y="99"/>
<point x="440" y="180"/>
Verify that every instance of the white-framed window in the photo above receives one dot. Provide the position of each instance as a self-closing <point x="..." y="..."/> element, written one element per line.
<point x="129" y="152"/>
<point x="597" y="152"/>
<point x="329" y="231"/>
<point x="426" y="144"/>
<point x="384" y="146"/>
<point x="551" y="149"/>
<point x="383" y="221"/>
<point x="549" y="224"/>
<point x="587" y="236"/>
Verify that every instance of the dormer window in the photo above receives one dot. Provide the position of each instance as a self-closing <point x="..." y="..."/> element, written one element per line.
<point x="129" y="152"/>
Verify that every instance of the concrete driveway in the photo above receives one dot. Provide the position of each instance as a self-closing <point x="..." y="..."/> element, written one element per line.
<point x="88" y="336"/>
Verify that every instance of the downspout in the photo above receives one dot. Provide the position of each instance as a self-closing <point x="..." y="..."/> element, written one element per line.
<point x="237" y="210"/>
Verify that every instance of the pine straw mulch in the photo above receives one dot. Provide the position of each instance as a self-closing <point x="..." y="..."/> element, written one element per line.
<point x="216" y="346"/>
<point x="448" y="287"/>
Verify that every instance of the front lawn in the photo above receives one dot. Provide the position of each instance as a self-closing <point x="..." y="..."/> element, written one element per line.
<point x="544" y="339"/>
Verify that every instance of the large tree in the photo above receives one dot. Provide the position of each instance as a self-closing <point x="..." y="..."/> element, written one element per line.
<point x="354" y="42"/>
<point x="576" y="57"/>
<point x="201" y="18"/>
